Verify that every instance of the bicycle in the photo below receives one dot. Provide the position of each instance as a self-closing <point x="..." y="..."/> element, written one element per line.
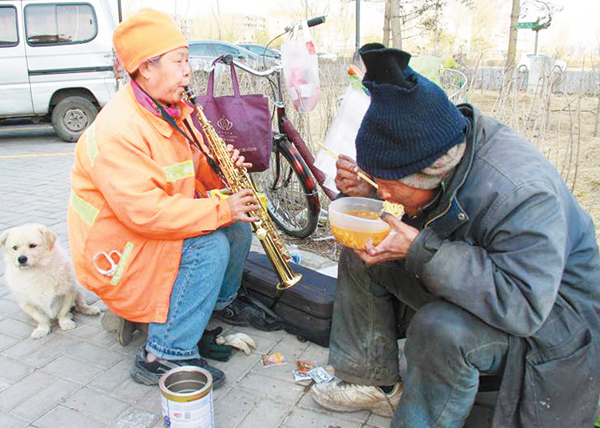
<point x="289" y="182"/>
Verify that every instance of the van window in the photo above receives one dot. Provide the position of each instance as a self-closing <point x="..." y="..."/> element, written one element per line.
<point x="56" y="24"/>
<point x="8" y="27"/>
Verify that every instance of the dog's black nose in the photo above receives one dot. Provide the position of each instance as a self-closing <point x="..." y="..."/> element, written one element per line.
<point x="22" y="259"/>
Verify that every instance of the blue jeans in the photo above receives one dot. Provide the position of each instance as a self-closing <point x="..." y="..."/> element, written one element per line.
<point x="210" y="273"/>
<point x="446" y="347"/>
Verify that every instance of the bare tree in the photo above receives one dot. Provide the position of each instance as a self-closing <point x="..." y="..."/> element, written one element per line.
<point x="511" y="54"/>
<point x="386" y="23"/>
<point x="396" y="23"/>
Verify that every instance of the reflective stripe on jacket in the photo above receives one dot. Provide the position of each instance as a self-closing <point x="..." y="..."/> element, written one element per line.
<point x="132" y="199"/>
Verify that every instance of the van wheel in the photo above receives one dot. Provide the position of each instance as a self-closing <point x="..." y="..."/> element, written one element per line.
<point x="72" y="116"/>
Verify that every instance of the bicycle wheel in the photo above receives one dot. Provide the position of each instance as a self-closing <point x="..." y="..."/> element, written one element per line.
<point x="293" y="201"/>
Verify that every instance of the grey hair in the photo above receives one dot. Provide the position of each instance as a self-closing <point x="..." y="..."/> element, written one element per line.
<point x="154" y="60"/>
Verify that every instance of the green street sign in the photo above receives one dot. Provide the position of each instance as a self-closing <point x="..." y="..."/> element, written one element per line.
<point x="526" y="25"/>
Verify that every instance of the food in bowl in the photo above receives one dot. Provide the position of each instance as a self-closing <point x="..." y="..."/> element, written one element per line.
<point x="396" y="210"/>
<point x="355" y="220"/>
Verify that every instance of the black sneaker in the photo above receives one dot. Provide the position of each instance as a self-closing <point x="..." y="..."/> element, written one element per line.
<point x="149" y="373"/>
<point x="242" y="312"/>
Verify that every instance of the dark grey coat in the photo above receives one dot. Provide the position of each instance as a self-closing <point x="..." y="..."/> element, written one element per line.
<point x="510" y="244"/>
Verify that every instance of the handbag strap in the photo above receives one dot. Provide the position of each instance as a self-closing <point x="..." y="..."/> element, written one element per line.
<point x="210" y="89"/>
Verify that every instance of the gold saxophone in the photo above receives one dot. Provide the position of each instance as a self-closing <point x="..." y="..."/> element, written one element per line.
<point x="239" y="179"/>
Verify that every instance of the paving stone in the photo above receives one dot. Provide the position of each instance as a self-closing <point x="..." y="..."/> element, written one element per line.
<point x="151" y="401"/>
<point x="131" y="348"/>
<point x="131" y="391"/>
<point x="23" y="317"/>
<point x="94" y="403"/>
<point x="12" y="371"/>
<point x="49" y="351"/>
<point x="136" y="418"/>
<point x="27" y="347"/>
<point x="4" y="290"/>
<point x="235" y="369"/>
<point x="378" y="421"/>
<point x="104" y="358"/>
<point x="113" y="378"/>
<point x="84" y="331"/>
<point x="6" y="342"/>
<point x="15" y="328"/>
<point x="301" y="418"/>
<point x="72" y="369"/>
<point x="267" y="413"/>
<point x="233" y="408"/>
<point x="24" y="389"/>
<point x="66" y="418"/>
<point x="104" y="339"/>
<point x="288" y="391"/>
<point x="45" y="399"/>
<point x="7" y="306"/>
<point x="9" y="421"/>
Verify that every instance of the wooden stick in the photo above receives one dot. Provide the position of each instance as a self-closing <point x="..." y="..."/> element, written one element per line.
<point x="360" y="174"/>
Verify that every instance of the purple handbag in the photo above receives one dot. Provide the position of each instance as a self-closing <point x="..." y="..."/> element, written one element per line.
<point x="243" y="121"/>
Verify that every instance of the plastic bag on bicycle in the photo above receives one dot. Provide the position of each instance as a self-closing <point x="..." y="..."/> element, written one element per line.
<point x="301" y="69"/>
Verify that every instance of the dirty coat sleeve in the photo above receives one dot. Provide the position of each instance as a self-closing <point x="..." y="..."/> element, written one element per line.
<point x="510" y="277"/>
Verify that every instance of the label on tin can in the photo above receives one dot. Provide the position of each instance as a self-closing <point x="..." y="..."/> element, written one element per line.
<point x="192" y="414"/>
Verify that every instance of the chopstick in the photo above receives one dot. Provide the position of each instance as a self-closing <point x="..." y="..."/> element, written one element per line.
<point x="367" y="179"/>
<point x="360" y="174"/>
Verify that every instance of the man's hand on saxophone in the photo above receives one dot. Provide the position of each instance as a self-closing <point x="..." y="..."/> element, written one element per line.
<point x="237" y="160"/>
<point x="242" y="202"/>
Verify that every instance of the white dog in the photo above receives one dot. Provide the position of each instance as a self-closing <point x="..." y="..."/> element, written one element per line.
<point x="41" y="277"/>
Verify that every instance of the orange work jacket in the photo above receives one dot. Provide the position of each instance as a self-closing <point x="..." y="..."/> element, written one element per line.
<point x="132" y="199"/>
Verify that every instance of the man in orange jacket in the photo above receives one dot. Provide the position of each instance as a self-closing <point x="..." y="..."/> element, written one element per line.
<point x="143" y="232"/>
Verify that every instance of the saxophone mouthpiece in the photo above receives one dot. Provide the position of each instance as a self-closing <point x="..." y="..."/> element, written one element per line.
<point x="190" y="94"/>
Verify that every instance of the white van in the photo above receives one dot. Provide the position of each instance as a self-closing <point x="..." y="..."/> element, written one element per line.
<point x="56" y="62"/>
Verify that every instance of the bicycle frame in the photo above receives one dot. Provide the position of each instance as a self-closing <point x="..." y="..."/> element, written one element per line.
<point x="286" y="127"/>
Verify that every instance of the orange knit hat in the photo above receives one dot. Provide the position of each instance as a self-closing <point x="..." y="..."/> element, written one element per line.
<point x="146" y="34"/>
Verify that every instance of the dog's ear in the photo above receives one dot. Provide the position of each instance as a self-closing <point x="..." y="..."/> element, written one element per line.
<point x="4" y="237"/>
<point x="49" y="236"/>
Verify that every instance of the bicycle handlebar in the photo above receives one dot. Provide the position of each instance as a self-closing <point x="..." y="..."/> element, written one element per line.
<point x="228" y="59"/>
<point x="311" y="23"/>
<point x="315" y="21"/>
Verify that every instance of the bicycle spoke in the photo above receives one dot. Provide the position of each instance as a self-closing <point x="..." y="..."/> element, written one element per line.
<point x="287" y="196"/>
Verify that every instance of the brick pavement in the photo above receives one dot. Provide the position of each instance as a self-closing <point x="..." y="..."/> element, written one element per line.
<point x="81" y="378"/>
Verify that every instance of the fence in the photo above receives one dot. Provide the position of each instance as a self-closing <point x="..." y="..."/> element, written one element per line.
<point x="569" y="81"/>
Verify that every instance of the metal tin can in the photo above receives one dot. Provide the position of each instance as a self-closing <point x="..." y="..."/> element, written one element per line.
<point x="187" y="398"/>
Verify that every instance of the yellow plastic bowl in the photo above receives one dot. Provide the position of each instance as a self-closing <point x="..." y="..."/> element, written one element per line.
<point x="355" y="220"/>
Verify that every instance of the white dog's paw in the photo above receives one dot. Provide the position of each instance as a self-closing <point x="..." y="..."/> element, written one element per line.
<point x="40" y="331"/>
<point x="66" y="324"/>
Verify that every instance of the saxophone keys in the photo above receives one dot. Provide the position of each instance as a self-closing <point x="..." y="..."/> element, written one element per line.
<point x="261" y="233"/>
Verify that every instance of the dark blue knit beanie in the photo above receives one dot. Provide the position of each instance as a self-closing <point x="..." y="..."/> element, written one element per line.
<point x="410" y="122"/>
